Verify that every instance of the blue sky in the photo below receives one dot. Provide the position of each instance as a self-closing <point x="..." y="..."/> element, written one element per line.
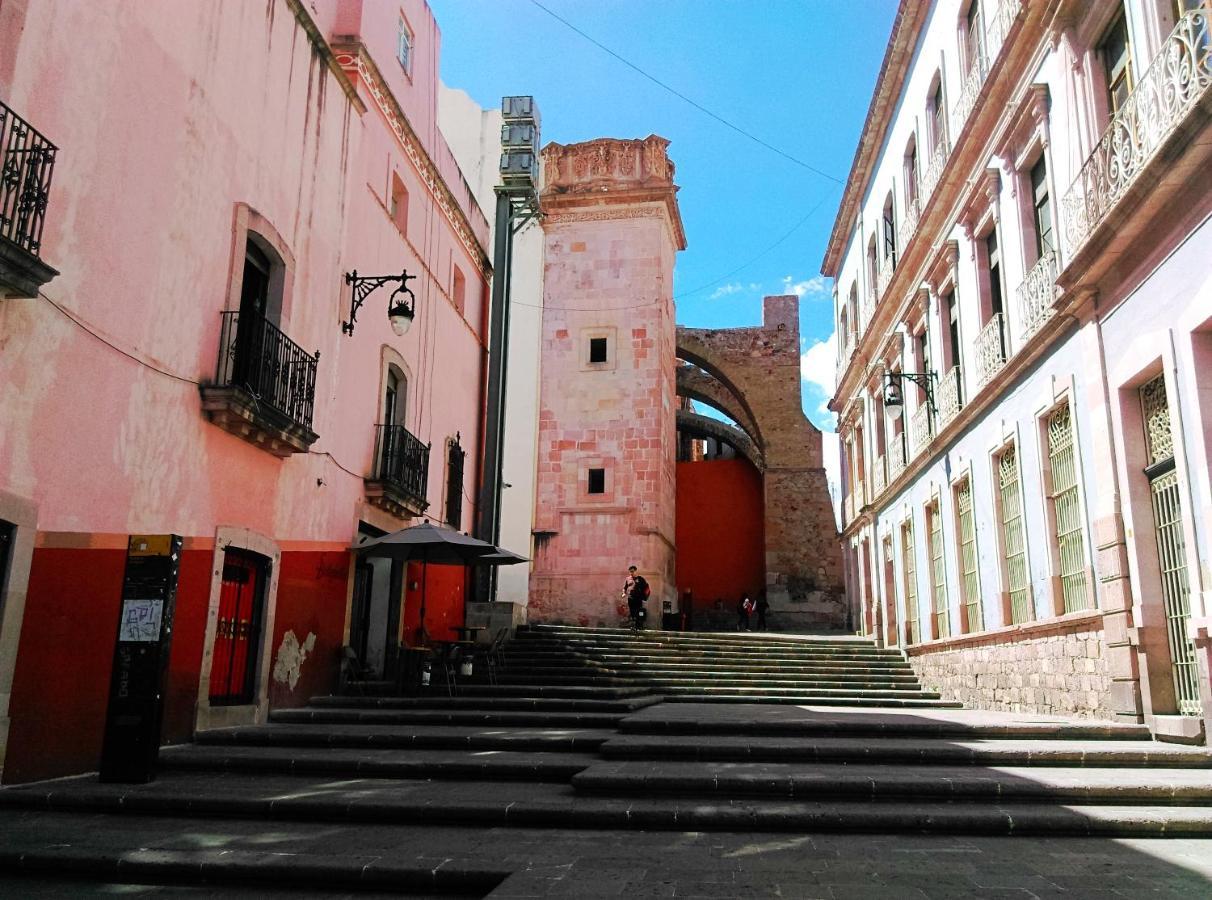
<point x="798" y="74"/>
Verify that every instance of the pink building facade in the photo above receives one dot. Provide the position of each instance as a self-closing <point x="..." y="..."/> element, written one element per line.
<point x="607" y="417"/>
<point x="218" y="172"/>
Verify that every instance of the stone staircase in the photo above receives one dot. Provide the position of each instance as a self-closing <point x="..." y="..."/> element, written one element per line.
<point x="430" y="795"/>
<point x="725" y="667"/>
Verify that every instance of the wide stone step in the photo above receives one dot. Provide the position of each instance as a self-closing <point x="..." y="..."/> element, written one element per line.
<point x="540" y="676"/>
<point x="675" y="664"/>
<point x="681" y="687"/>
<point x="447" y="716"/>
<point x="487" y="702"/>
<point x="740" y="683"/>
<point x="595" y="649"/>
<point x="1184" y="787"/>
<point x="488" y="804"/>
<point x="749" y="719"/>
<point x="736" y="643"/>
<point x="906" y="751"/>
<point x="508" y="676"/>
<point x="693" y="637"/>
<point x="807" y="699"/>
<point x="495" y="765"/>
<point x="492" y="737"/>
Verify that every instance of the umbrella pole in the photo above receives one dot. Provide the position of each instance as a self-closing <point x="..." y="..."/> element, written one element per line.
<point x="424" y="591"/>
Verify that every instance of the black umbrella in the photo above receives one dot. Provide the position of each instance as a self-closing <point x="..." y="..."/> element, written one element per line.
<point x="431" y="543"/>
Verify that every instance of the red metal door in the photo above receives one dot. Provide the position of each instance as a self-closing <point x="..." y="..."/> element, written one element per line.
<point x="234" y="663"/>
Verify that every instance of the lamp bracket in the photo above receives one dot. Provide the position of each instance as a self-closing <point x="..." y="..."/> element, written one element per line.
<point x="365" y="285"/>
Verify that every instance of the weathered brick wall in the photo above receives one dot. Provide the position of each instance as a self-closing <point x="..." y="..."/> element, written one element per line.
<point x="760" y="368"/>
<point x="1061" y="673"/>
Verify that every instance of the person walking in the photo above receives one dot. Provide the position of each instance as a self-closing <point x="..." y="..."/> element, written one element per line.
<point x="763" y="606"/>
<point x="743" y="608"/>
<point x="637" y="592"/>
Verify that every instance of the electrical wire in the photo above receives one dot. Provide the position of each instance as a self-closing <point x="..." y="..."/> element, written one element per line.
<point x="85" y="328"/>
<point x="738" y="129"/>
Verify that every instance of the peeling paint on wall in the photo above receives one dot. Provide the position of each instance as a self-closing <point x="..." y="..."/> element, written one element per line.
<point x="291" y="655"/>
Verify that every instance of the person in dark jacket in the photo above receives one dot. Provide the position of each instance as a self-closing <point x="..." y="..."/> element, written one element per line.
<point x="636" y="590"/>
<point x="743" y="608"/>
<point x="763" y="606"/>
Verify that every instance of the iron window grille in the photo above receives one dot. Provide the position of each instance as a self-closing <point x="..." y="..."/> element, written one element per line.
<point x="1014" y="544"/>
<point x="970" y="579"/>
<point x="1067" y="512"/>
<point x="912" y="624"/>
<point x="1166" y="493"/>
<point x="938" y="576"/>
<point x="455" y="456"/>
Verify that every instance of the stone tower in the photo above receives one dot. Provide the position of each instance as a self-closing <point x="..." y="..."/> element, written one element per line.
<point x="607" y="398"/>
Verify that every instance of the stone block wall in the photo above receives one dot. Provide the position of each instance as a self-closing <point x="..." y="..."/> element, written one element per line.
<point x="1050" y="671"/>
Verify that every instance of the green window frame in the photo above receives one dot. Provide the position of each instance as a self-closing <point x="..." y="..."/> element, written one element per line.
<point x="1014" y="541"/>
<point x="970" y="583"/>
<point x="1067" y="510"/>
<point x="938" y="572"/>
<point x="912" y="621"/>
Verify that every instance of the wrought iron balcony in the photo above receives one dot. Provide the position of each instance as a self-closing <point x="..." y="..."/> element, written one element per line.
<point x="400" y="478"/>
<point x="879" y="477"/>
<point x="883" y="279"/>
<point x="990" y="349"/>
<point x="1037" y="294"/>
<point x="934" y="168"/>
<point x="1166" y="94"/>
<point x="950" y="396"/>
<point x="921" y="428"/>
<point x="868" y="310"/>
<point x="265" y="386"/>
<point x="992" y="41"/>
<point x="908" y="226"/>
<point x="27" y="162"/>
<point x="896" y="459"/>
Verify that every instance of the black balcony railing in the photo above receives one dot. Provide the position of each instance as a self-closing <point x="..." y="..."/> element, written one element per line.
<point x="278" y="374"/>
<point x="27" y="160"/>
<point x="402" y="462"/>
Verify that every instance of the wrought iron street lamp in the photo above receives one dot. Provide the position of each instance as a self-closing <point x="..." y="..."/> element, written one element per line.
<point x="894" y="392"/>
<point x="400" y="312"/>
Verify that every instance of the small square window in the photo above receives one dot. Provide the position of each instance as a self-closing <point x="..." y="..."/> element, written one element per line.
<point x="597" y="350"/>
<point x="404" y="47"/>
<point x="597" y="481"/>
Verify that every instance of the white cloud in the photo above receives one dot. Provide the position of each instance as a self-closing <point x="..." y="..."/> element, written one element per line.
<point x="814" y="287"/>
<point x="734" y="287"/>
<point x="818" y="363"/>
<point x="831" y="453"/>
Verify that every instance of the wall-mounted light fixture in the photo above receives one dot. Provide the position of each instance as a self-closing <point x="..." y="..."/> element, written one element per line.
<point x="400" y="312"/>
<point x="894" y="392"/>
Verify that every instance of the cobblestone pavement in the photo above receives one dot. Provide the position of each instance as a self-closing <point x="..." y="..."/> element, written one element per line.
<point x="584" y="864"/>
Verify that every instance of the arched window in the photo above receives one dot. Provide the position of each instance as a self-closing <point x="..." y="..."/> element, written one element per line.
<point x="889" y="230"/>
<point x="395" y="396"/>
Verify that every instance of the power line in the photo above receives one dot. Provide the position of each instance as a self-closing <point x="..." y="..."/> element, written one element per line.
<point x="738" y="129"/>
<point x="85" y="328"/>
<point x="794" y="228"/>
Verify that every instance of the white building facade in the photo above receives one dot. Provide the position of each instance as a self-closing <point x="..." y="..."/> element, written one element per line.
<point x="474" y="135"/>
<point x="1026" y="233"/>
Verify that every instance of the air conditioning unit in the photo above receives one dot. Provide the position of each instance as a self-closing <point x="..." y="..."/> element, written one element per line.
<point x="517" y="136"/>
<point x="523" y="109"/>
<point x="519" y="167"/>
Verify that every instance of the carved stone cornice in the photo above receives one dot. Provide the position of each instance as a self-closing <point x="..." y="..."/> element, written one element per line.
<point x="353" y="58"/>
<point x="608" y="178"/>
<point x="981" y="203"/>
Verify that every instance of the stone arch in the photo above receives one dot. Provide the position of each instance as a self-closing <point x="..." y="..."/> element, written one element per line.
<point x="753" y="375"/>
<point x="695" y="383"/>
<point x="701" y="426"/>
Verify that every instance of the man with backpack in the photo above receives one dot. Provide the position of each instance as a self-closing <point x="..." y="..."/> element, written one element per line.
<point x="637" y="592"/>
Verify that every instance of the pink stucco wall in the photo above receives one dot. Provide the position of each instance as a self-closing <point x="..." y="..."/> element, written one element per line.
<point x="177" y="124"/>
<point x="612" y="232"/>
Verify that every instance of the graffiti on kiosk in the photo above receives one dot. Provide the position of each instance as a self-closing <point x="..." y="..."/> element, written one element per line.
<point x="140" y="622"/>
